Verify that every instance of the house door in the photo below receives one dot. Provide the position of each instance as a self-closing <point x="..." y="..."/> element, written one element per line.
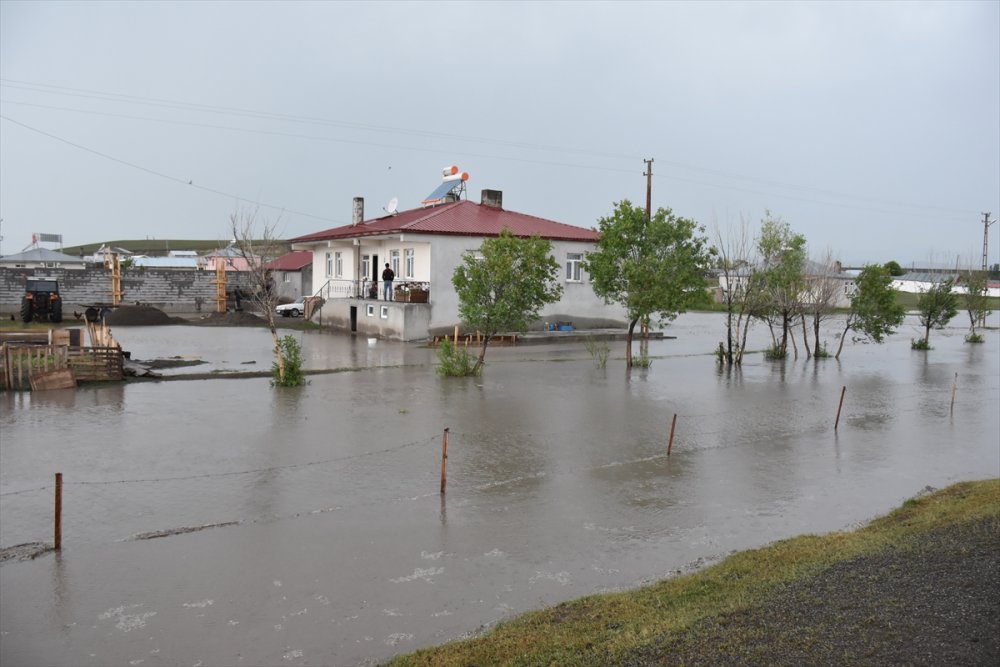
<point x="354" y="318"/>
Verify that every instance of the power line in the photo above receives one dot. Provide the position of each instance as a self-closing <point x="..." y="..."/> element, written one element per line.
<point x="174" y="179"/>
<point x="282" y="117"/>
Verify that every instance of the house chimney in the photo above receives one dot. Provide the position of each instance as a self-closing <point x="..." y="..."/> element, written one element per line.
<point x="492" y="198"/>
<point x="359" y="211"/>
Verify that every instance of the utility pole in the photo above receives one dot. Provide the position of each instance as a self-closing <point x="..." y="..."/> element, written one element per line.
<point x="986" y="246"/>
<point x="986" y="239"/>
<point x="649" y="188"/>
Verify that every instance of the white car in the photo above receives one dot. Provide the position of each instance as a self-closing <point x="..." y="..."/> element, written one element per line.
<point x="294" y="309"/>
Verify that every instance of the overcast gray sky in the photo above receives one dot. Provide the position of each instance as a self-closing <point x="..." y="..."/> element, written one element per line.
<point x="872" y="128"/>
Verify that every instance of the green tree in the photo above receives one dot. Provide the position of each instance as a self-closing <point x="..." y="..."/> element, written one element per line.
<point x="505" y="286"/>
<point x="874" y="312"/>
<point x="977" y="302"/>
<point x="653" y="266"/>
<point x="783" y="253"/>
<point x="936" y="307"/>
<point x="894" y="269"/>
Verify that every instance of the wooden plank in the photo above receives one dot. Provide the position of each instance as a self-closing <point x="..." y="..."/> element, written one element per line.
<point x="60" y="379"/>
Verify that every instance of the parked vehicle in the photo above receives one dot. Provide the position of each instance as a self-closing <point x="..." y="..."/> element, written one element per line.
<point x="294" y="309"/>
<point x="41" y="300"/>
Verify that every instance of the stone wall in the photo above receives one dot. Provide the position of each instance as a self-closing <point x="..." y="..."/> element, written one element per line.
<point x="170" y="290"/>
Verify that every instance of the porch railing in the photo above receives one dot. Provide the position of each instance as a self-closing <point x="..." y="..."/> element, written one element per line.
<point x="405" y="291"/>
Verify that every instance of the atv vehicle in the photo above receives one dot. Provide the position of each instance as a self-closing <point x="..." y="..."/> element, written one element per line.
<point x="41" y="300"/>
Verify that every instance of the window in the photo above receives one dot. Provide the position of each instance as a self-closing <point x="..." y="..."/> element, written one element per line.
<point x="394" y="260"/>
<point x="371" y="310"/>
<point x="366" y="266"/>
<point x="384" y="312"/>
<point x="329" y="265"/>
<point x="339" y="264"/>
<point x="408" y="263"/>
<point x="573" y="268"/>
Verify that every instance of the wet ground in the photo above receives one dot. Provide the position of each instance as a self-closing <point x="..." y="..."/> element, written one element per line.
<point x="330" y="543"/>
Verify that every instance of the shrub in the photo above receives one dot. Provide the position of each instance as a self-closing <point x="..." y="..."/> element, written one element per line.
<point x="455" y="361"/>
<point x="919" y="344"/>
<point x="291" y="353"/>
<point x="821" y="352"/>
<point x="975" y="338"/>
<point x="598" y="350"/>
<point x="774" y="352"/>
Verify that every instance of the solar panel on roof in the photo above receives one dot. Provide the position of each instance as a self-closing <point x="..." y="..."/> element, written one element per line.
<point x="441" y="191"/>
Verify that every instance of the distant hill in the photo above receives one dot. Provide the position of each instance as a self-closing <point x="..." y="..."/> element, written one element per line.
<point x="160" y="247"/>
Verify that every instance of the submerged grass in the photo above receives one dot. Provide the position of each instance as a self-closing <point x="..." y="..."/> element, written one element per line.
<point x="614" y="628"/>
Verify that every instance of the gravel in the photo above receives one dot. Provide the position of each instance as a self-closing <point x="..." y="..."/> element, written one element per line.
<point x="933" y="600"/>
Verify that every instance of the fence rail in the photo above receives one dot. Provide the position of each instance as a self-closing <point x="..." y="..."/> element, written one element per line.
<point x="20" y="362"/>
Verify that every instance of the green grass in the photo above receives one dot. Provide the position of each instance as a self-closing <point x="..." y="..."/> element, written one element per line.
<point x="615" y="626"/>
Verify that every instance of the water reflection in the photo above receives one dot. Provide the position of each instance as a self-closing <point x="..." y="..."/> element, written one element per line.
<point x="558" y="484"/>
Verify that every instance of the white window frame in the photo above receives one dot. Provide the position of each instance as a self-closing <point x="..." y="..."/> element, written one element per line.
<point x="366" y="267"/>
<point x="371" y="310"/>
<point x="409" y="263"/>
<point x="338" y="264"/>
<point x="384" y="313"/>
<point x="329" y="265"/>
<point x="574" y="267"/>
<point x="394" y="261"/>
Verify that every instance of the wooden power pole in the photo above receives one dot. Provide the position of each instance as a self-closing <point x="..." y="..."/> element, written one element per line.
<point x="649" y="188"/>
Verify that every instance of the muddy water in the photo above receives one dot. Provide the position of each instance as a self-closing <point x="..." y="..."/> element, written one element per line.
<point x="332" y="544"/>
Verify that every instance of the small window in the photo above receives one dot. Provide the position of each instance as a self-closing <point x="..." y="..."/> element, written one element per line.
<point x="338" y="264"/>
<point x="574" y="272"/>
<point x="385" y="312"/>
<point x="366" y="265"/>
<point x="329" y="265"/>
<point x="408" y="263"/>
<point x="394" y="259"/>
<point x="371" y="310"/>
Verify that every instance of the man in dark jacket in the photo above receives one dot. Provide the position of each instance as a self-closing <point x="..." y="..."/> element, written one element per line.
<point x="387" y="277"/>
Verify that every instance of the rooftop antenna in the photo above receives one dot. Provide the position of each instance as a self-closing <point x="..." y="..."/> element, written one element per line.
<point x="390" y="208"/>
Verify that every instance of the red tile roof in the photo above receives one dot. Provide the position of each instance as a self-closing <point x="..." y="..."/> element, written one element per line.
<point x="461" y="218"/>
<point x="293" y="261"/>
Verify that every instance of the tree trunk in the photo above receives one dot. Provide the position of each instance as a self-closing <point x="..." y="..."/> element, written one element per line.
<point x="816" y="332"/>
<point x="729" y="334"/>
<point x="927" y="333"/>
<point x="482" y="355"/>
<point x="847" y="327"/>
<point x="791" y="335"/>
<point x="628" y="344"/>
<point x="805" y="338"/>
<point x="279" y="355"/>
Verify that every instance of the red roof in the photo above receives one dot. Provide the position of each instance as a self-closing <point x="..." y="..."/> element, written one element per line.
<point x="293" y="261"/>
<point x="461" y="218"/>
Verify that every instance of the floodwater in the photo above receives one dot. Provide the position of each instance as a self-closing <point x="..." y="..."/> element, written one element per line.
<point x="331" y="543"/>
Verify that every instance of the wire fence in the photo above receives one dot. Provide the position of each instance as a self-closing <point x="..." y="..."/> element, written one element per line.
<point x="101" y="511"/>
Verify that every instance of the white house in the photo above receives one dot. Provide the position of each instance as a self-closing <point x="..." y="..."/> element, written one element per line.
<point x="42" y="258"/>
<point x="423" y="247"/>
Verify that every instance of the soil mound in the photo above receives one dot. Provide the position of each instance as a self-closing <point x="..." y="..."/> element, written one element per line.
<point x="141" y="316"/>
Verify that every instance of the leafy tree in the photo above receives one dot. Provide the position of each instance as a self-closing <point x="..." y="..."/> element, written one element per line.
<point x="783" y="253"/>
<point x="505" y="287"/>
<point x="651" y="265"/>
<point x="994" y="272"/>
<point x="977" y="302"/>
<point x="936" y="307"/>
<point x="874" y="312"/>
<point x="894" y="269"/>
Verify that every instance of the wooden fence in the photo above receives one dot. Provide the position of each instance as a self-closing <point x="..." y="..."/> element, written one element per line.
<point x="87" y="364"/>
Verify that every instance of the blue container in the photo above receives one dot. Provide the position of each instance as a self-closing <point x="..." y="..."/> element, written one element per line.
<point x="565" y="327"/>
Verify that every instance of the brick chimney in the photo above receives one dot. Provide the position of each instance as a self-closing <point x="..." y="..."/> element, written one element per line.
<point x="492" y="198"/>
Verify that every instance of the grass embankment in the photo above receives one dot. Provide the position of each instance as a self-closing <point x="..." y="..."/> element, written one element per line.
<point x="666" y="623"/>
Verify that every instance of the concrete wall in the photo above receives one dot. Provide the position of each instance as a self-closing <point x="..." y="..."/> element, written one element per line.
<point x="171" y="290"/>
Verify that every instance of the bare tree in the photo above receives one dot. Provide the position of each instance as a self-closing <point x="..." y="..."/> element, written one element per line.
<point x="258" y="253"/>
<point x="740" y="289"/>
<point x="822" y="292"/>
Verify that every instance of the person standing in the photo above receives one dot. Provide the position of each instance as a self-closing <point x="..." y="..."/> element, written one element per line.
<point x="387" y="277"/>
